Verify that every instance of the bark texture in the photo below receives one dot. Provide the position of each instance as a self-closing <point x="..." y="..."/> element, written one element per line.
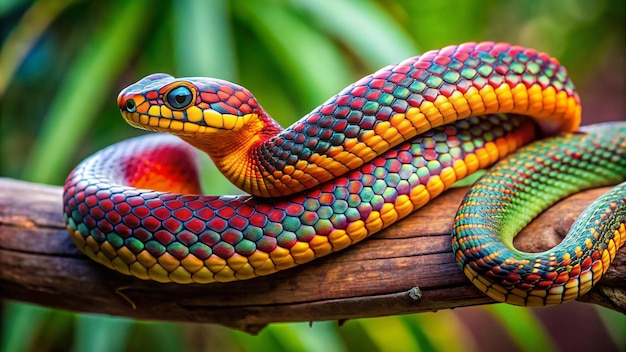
<point x="406" y="268"/>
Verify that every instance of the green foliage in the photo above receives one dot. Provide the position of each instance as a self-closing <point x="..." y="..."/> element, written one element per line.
<point x="63" y="63"/>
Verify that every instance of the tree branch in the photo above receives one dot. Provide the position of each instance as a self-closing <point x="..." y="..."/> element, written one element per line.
<point x="406" y="268"/>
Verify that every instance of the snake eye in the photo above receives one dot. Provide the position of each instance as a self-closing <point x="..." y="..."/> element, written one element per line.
<point x="130" y="105"/>
<point x="179" y="98"/>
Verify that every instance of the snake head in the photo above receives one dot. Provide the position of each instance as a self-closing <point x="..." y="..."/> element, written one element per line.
<point x="187" y="106"/>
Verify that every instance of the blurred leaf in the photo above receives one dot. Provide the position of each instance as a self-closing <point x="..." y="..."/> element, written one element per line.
<point x="432" y="331"/>
<point x="615" y="324"/>
<point x="439" y="23"/>
<point x="318" y="336"/>
<point x="390" y="334"/>
<point x="275" y="337"/>
<point x="523" y="327"/>
<point x="355" y="337"/>
<point x="19" y="321"/>
<point x="22" y="38"/>
<point x="7" y="6"/>
<point x="203" y="42"/>
<point x="100" y="334"/>
<point x="305" y="55"/>
<point x="363" y="26"/>
<point x="84" y="91"/>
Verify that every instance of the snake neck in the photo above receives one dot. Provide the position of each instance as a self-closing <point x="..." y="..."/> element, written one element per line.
<point x="234" y="153"/>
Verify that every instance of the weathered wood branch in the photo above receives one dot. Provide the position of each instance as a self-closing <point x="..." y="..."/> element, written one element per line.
<point x="407" y="268"/>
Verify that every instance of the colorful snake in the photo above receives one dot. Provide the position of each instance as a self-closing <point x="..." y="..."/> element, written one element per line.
<point x="501" y="203"/>
<point x="369" y="156"/>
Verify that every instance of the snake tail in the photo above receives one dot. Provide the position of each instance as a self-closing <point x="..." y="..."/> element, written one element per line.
<point x="367" y="118"/>
<point x="521" y="186"/>
<point x="186" y="237"/>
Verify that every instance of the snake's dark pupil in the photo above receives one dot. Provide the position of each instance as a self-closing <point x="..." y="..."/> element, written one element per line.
<point x="180" y="99"/>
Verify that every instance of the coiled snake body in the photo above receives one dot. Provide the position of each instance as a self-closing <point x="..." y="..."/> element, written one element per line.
<point x="366" y="158"/>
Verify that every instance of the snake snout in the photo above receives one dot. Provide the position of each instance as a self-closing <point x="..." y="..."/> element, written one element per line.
<point x="133" y="95"/>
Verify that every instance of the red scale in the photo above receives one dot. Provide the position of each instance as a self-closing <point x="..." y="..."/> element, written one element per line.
<point x="105" y="226"/>
<point x="245" y="210"/>
<point x="266" y="244"/>
<point x="142" y="235"/>
<point x="122" y="230"/>
<point x="161" y="213"/>
<point x="225" y="212"/>
<point x="223" y="250"/>
<point x="107" y="205"/>
<point x="113" y="217"/>
<point x="182" y="214"/>
<point x="187" y="238"/>
<point x="232" y="236"/>
<point x="258" y="220"/>
<point x="152" y="95"/>
<point x="209" y="238"/>
<point x="96" y="213"/>
<point x="179" y="252"/>
<point x="151" y="223"/>
<point x="164" y="237"/>
<point x="276" y="215"/>
<point x="238" y="222"/>
<point x="132" y="221"/>
<point x="172" y="225"/>
<point x="359" y="91"/>
<point x="205" y="213"/>
<point x="377" y="83"/>
<point x="209" y="97"/>
<point x="357" y="103"/>
<point x="226" y="89"/>
<point x="442" y="60"/>
<point x="195" y="225"/>
<point x="218" y="224"/>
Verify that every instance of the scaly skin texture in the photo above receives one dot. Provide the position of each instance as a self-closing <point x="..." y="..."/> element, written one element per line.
<point x="166" y="236"/>
<point x="501" y="203"/>
<point x="351" y="167"/>
<point x="365" y="119"/>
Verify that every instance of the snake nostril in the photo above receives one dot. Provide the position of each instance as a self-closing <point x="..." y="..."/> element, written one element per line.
<point x="130" y="105"/>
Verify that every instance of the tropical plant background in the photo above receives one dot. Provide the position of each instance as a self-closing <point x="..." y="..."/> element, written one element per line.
<point x="63" y="62"/>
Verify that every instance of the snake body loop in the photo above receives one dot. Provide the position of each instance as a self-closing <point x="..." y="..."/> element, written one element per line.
<point x="501" y="203"/>
<point x="366" y="158"/>
<point x="187" y="238"/>
<point x="365" y="119"/>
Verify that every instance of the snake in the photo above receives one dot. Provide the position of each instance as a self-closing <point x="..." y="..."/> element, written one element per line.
<point x="369" y="156"/>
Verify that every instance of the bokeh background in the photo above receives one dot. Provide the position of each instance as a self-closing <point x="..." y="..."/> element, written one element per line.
<point x="62" y="64"/>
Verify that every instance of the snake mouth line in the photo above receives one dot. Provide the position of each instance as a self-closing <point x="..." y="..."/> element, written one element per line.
<point x="192" y="119"/>
<point x="161" y="123"/>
